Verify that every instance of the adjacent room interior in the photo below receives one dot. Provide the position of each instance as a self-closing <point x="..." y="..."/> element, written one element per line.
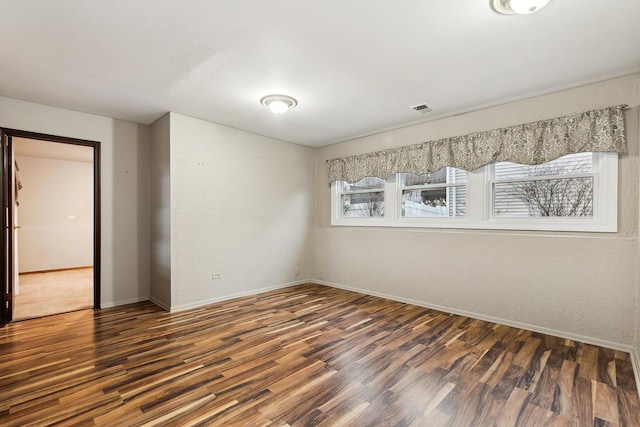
<point x="54" y="228"/>
<point x="439" y="226"/>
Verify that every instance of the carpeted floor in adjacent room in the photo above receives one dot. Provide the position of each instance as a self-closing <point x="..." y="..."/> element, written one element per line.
<point x="53" y="292"/>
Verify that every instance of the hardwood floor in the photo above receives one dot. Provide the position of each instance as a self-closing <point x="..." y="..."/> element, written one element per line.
<point x="304" y="356"/>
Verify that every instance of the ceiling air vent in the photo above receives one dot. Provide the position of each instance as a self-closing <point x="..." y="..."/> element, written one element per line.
<point x="422" y="108"/>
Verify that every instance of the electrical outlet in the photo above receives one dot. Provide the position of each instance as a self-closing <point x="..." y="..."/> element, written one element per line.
<point x="216" y="275"/>
<point x="297" y="271"/>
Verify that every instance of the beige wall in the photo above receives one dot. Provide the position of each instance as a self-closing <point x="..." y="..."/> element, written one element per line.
<point x="125" y="189"/>
<point x="581" y="285"/>
<point x="242" y="205"/>
<point x="53" y="190"/>
<point x="636" y="348"/>
<point x="160" y="220"/>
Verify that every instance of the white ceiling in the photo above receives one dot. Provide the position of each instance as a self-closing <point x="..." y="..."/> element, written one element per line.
<point x="355" y="66"/>
<point x="52" y="150"/>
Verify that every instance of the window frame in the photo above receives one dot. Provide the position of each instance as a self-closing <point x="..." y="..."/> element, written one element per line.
<point x="605" y="203"/>
<point x="446" y="186"/>
<point x="363" y="191"/>
<point x="479" y="201"/>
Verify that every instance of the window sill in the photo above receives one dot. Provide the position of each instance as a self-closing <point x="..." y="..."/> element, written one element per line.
<point x="530" y="224"/>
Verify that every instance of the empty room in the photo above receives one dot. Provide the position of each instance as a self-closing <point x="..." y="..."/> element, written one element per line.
<point x="288" y="213"/>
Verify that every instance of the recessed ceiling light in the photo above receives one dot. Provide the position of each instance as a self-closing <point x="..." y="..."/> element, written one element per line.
<point x="518" y="7"/>
<point x="278" y="104"/>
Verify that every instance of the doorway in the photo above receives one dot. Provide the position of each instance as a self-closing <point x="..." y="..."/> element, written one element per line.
<point x="50" y="249"/>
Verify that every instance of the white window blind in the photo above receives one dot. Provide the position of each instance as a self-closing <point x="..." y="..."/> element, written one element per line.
<point x="560" y="188"/>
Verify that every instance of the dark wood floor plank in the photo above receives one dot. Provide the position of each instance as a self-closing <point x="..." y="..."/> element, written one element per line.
<point x="563" y="395"/>
<point x="588" y="361"/>
<point x="508" y="382"/>
<point x="514" y="408"/>
<point x="307" y="355"/>
<point x="606" y="403"/>
<point x="545" y="392"/>
<point x="628" y="407"/>
<point x="583" y="402"/>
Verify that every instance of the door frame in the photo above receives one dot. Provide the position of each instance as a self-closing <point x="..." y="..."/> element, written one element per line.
<point x="6" y="213"/>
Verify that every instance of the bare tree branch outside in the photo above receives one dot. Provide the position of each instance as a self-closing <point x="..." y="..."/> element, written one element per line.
<point x="364" y="204"/>
<point x="554" y="197"/>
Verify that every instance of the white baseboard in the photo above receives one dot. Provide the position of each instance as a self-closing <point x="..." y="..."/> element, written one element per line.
<point x="232" y="296"/>
<point x="635" y="361"/>
<point x="160" y="304"/>
<point x="562" y="334"/>
<point x="123" y="302"/>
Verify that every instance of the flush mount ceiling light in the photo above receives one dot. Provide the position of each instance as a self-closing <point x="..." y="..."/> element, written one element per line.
<point x="278" y="104"/>
<point x="518" y="7"/>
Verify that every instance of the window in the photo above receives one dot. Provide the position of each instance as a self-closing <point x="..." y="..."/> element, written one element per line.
<point x="577" y="192"/>
<point x="560" y="188"/>
<point x="439" y="194"/>
<point x="363" y="199"/>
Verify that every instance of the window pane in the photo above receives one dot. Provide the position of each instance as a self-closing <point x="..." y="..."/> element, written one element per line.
<point x="443" y="176"/>
<point x="569" y="197"/>
<point x="363" y="204"/>
<point x="364" y="184"/>
<point x="436" y="202"/>
<point x="568" y="165"/>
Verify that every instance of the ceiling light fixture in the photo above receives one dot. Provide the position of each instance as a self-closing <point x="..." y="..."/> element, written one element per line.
<point x="518" y="7"/>
<point x="278" y="104"/>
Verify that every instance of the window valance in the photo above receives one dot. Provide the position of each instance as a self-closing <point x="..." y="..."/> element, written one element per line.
<point x="532" y="143"/>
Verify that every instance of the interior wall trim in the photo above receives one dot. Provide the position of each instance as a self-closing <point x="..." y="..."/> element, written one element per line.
<point x="635" y="362"/>
<point x="162" y="305"/>
<point x="123" y="302"/>
<point x="197" y="304"/>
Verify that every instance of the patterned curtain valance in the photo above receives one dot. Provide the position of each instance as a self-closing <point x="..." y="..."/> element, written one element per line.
<point x="531" y="144"/>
